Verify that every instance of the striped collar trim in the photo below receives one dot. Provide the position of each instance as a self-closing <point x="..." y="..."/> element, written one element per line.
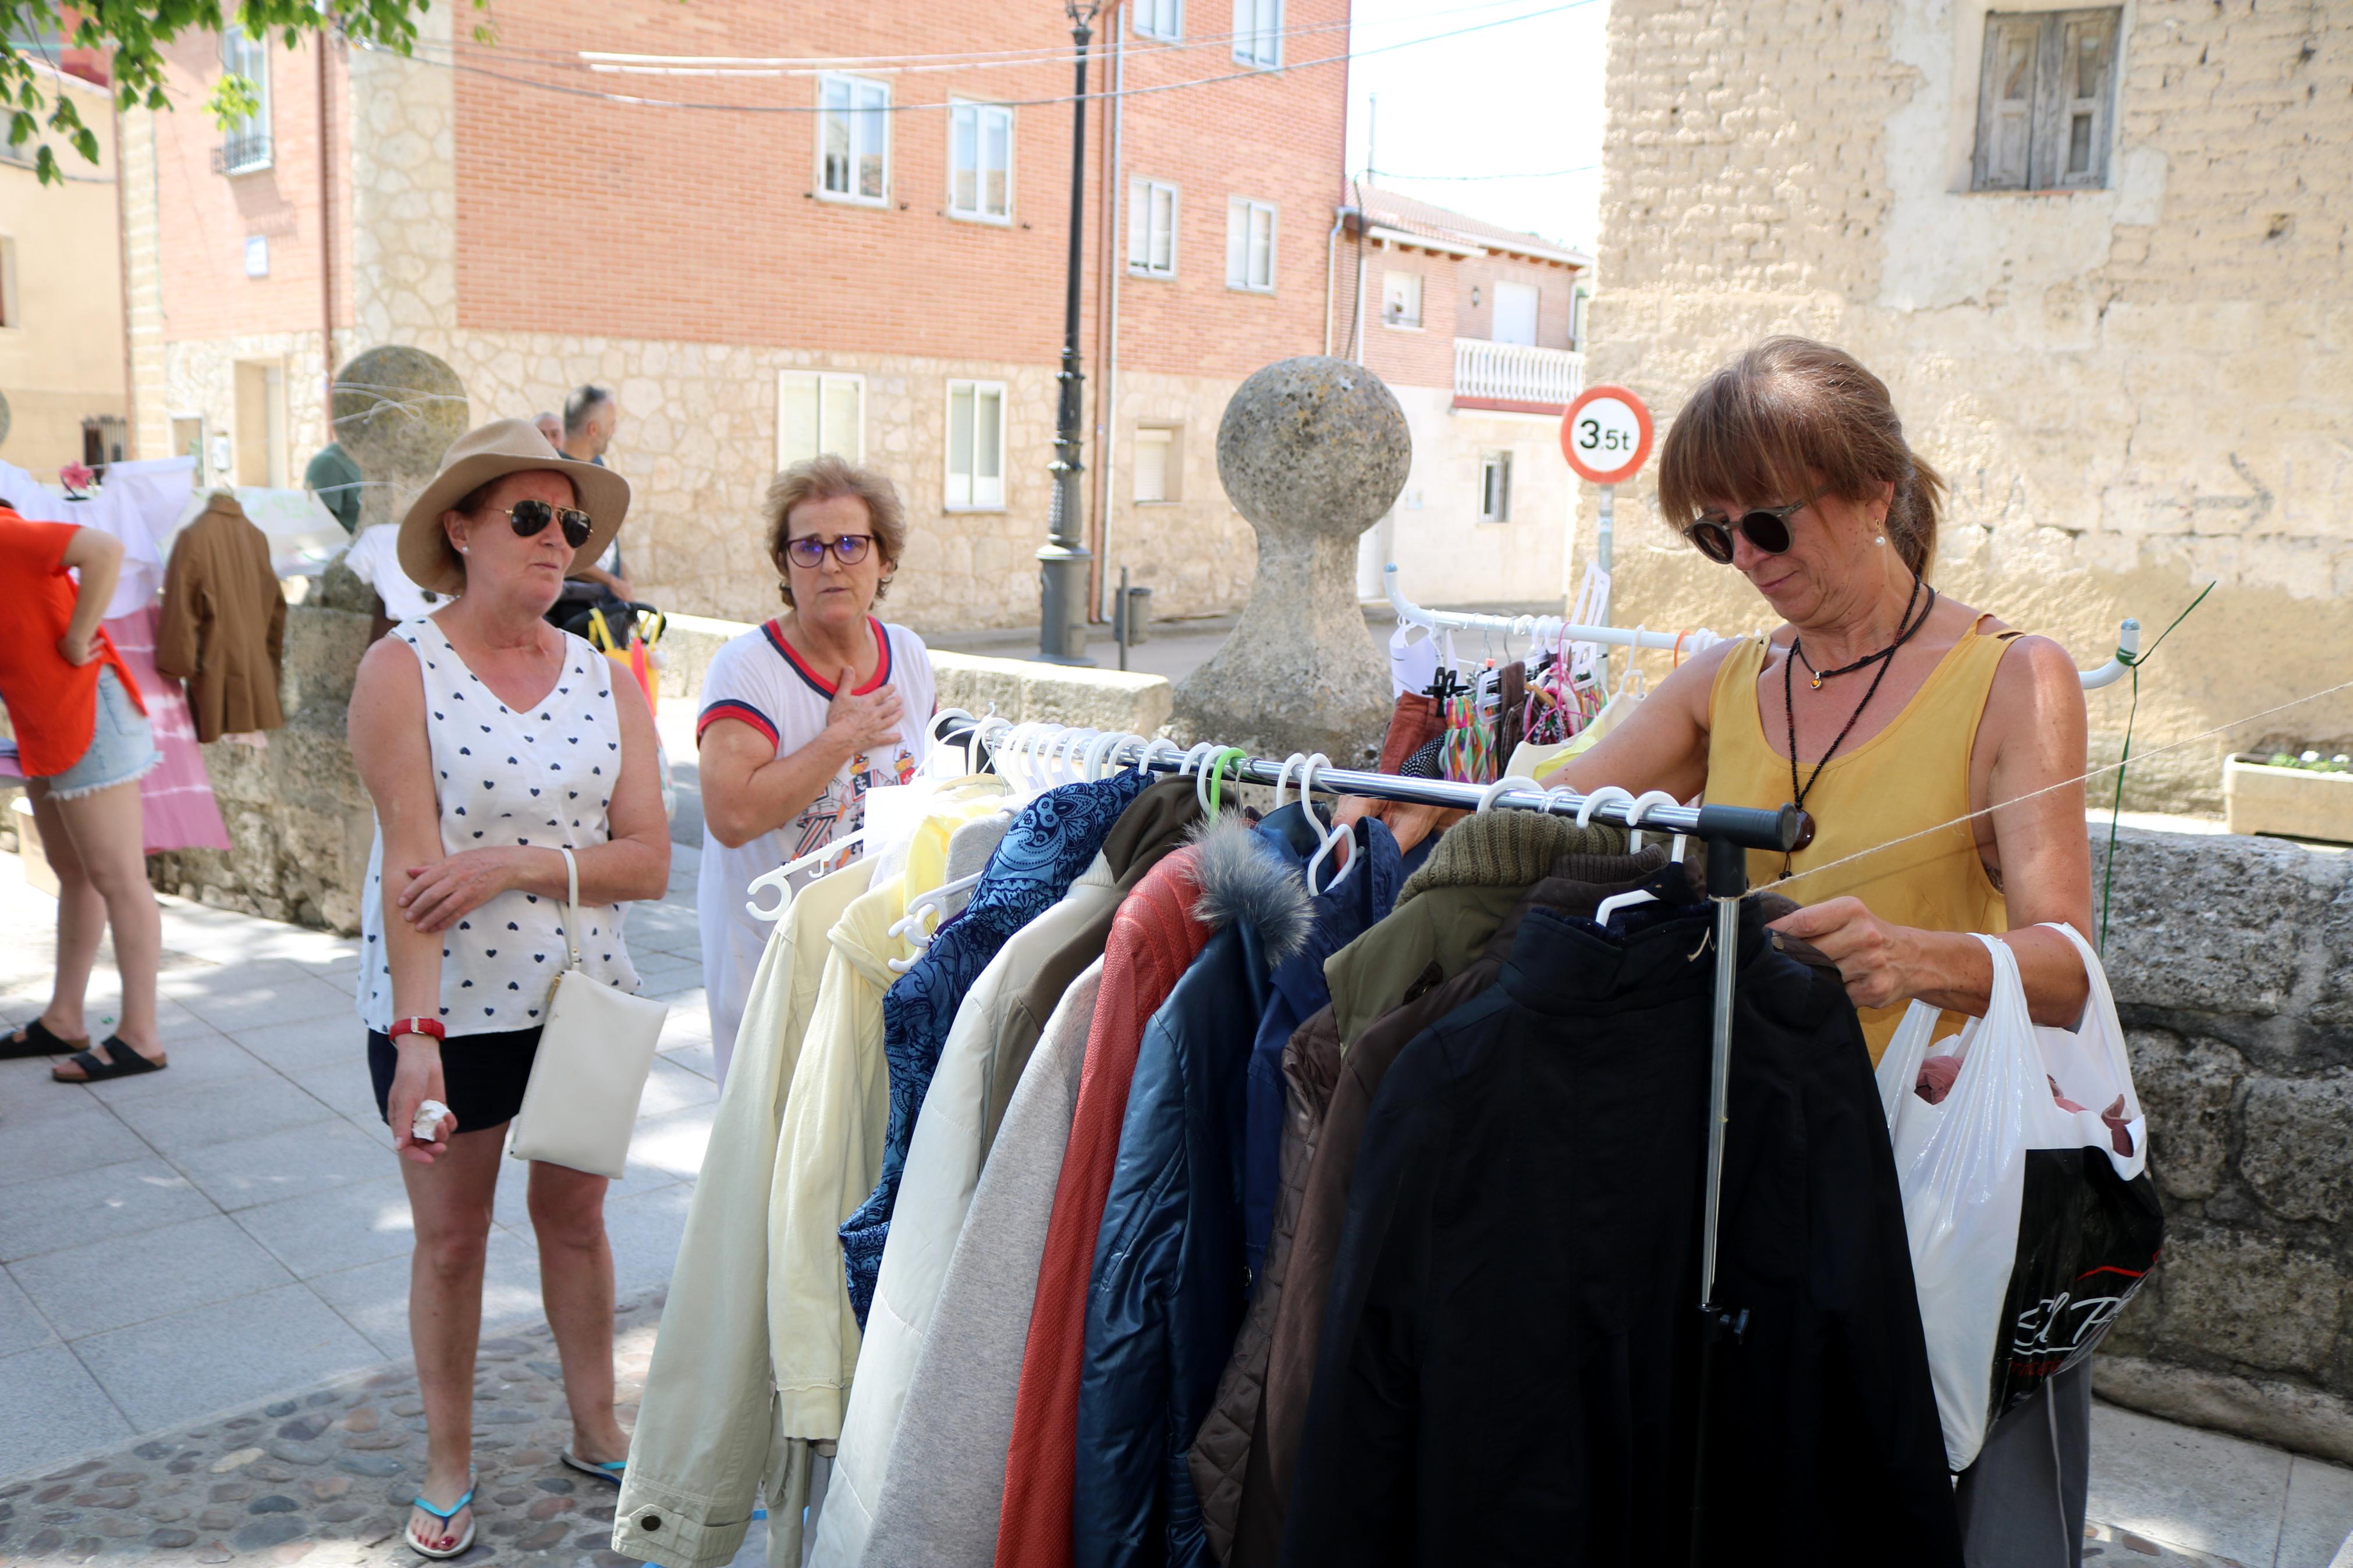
<point x="775" y="633"/>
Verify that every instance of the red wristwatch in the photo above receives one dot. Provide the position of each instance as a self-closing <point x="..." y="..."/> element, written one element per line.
<point x="418" y="1026"/>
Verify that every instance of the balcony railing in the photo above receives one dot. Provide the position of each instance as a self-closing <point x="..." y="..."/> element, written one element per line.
<point x="1517" y="375"/>
<point x="241" y="152"/>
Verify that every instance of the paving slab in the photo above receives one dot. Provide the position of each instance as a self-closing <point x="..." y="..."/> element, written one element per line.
<point x="127" y="1280"/>
<point x="55" y="1212"/>
<point x="22" y="1326"/>
<point x="313" y="1157"/>
<point x="51" y="1406"/>
<point x="209" y="1358"/>
<point x="343" y="1227"/>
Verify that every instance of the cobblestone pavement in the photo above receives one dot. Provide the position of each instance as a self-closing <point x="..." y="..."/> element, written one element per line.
<point x="324" y="1477"/>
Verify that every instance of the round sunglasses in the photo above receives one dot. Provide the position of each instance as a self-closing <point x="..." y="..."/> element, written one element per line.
<point x="808" y="551"/>
<point x="528" y="517"/>
<point x="1766" y="528"/>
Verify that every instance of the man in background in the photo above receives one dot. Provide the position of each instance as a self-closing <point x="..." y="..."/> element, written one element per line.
<point x="335" y="478"/>
<point x="590" y="417"/>
<point x="551" y="428"/>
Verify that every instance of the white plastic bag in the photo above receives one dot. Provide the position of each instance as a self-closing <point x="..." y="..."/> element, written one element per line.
<point x="2030" y="1230"/>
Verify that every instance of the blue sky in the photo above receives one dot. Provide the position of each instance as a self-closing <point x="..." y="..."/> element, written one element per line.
<point x="1517" y="99"/>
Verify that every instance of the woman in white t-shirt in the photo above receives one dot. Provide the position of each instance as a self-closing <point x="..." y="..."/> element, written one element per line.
<point x="803" y="716"/>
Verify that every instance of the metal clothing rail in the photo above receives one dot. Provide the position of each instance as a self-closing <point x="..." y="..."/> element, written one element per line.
<point x="1553" y="629"/>
<point x="1728" y="831"/>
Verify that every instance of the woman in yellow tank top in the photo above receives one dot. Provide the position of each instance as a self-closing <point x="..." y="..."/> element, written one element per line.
<point x="1938" y="753"/>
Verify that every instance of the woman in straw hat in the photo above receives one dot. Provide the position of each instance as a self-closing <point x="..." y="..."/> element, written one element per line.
<point x="489" y="740"/>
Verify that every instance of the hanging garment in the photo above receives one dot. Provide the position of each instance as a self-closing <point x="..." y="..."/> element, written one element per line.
<point x="1906" y="787"/>
<point x="223" y="624"/>
<point x="177" y="808"/>
<point x="1167" y="1285"/>
<point x="1153" y="939"/>
<point x="707" y="1429"/>
<point x="1509" y="1366"/>
<point x="1407" y="972"/>
<point x="945" y="1474"/>
<point x="1297" y="990"/>
<point x="1048" y="845"/>
<point x="1415" y="721"/>
<point x="140" y="504"/>
<point x="1156" y="824"/>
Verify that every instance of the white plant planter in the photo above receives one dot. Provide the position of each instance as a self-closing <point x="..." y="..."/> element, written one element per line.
<point x="2297" y="802"/>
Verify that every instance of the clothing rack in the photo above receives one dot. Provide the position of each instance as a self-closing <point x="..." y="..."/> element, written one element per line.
<point x="1552" y="630"/>
<point x="1728" y="831"/>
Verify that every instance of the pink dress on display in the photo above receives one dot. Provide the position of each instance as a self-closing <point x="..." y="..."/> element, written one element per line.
<point x="175" y="796"/>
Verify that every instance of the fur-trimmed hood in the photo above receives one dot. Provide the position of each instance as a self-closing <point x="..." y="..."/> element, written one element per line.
<point x="1240" y="881"/>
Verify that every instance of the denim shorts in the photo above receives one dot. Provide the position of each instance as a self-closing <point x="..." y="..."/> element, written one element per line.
<point x="121" y="747"/>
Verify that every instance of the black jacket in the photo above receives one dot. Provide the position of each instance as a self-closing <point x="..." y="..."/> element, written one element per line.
<point x="1509" y="1362"/>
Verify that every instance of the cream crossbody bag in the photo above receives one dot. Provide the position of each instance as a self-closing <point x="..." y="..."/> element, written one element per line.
<point x="595" y="1052"/>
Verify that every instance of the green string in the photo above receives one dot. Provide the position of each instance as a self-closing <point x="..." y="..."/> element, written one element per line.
<point x="1216" y="766"/>
<point x="2115" y="809"/>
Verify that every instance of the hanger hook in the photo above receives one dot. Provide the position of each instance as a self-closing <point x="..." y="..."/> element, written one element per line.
<point x="1599" y="797"/>
<point x="1504" y="785"/>
<point x="1152" y="749"/>
<point x="1641" y="806"/>
<point x="1282" y="775"/>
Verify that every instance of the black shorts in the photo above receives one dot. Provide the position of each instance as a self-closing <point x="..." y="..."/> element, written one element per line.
<point x="482" y="1076"/>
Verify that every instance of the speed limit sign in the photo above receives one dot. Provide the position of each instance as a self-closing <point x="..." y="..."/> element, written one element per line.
<point x="1606" y="434"/>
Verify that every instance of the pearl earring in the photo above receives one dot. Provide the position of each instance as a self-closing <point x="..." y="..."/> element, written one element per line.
<point x="1881" y="540"/>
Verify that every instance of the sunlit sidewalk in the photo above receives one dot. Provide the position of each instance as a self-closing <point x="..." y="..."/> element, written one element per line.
<point x="180" y="1244"/>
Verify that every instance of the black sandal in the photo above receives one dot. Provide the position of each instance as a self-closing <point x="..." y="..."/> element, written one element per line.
<point x="119" y="1061"/>
<point x="39" y="1040"/>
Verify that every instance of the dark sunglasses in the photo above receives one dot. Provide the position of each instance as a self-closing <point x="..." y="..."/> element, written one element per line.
<point x="528" y="517"/>
<point x="809" y="550"/>
<point x="1766" y="528"/>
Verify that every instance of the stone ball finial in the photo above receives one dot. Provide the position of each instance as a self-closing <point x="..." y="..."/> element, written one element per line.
<point x="1313" y="445"/>
<point x="1312" y="451"/>
<point x="396" y="411"/>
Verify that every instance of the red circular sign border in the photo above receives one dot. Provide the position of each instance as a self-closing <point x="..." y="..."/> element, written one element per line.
<point x="1617" y="476"/>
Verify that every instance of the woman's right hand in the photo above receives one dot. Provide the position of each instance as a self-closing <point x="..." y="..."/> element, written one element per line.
<point x="415" y="1081"/>
<point x="863" y="723"/>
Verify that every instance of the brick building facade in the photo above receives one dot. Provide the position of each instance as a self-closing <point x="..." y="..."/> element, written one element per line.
<point x="509" y="208"/>
<point x="2098" y="254"/>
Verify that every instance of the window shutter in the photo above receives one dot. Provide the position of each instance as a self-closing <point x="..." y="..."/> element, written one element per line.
<point x="2085" y="77"/>
<point x="959" y="486"/>
<point x="797" y="428"/>
<point x="1164" y="228"/>
<point x="1139" y="223"/>
<point x="2006" y="102"/>
<point x="1237" y="225"/>
<point x="844" y="433"/>
<point x="1261" y="248"/>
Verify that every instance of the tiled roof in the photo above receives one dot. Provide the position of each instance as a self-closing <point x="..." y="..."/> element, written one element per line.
<point x="1387" y="209"/>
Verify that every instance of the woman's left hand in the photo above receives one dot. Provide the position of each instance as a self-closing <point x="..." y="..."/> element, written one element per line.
<point x="1873" y="957"/>
<point x="449" y="888"/>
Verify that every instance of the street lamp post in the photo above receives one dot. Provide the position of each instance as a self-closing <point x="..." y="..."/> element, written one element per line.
<point x="1062" y="564"/>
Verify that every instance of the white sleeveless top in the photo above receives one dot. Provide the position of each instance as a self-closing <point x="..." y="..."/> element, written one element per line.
<point x="544" y="778"/>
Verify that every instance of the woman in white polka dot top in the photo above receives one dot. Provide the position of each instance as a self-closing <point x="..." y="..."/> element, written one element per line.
<point x="489" y="741"/>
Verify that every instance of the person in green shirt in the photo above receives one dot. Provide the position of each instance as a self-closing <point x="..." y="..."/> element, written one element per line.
<point x="336" y="479"/>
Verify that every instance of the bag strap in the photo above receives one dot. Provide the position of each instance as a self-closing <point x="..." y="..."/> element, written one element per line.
<point x="571" y="904"/>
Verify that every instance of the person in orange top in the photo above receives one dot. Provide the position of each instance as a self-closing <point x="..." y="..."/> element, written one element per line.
<point x="82" y="741"/>
<point x="1941" y="756"/>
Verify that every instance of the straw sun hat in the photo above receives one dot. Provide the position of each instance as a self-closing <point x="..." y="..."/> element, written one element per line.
<point x="474" y="459"/>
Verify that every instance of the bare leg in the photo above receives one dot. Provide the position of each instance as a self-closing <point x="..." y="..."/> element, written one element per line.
<point x="81" y="921"/>
<point x="451" y="1201"/>
<point x="576" y="1284"/>
<point x="106" y="832"/>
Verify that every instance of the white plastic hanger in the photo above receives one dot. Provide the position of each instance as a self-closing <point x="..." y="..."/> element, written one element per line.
<point x="777" y="878"/>
<point x="1332" y="841"/>
<point x="1639" y="808"/>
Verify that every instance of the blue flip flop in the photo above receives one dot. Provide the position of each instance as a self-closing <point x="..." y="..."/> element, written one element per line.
<point x="445" y="1515"/>
<point x="609" y="1471"/>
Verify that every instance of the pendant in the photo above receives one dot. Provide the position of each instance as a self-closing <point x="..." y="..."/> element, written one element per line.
<point x="1817" y="678"/>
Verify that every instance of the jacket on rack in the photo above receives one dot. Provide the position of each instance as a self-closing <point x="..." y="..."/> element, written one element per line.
<point x="1509" y="1371"/>
<point x="946" y="1154"/>
<point x="1153" y="939"/>
<point x="1251" y="1451"/>
<point x="1340" y="914"/>
<point x="1050" y="842"/>
<point x="1168" y="1284"/>
<point x="224" y="627"/>
<point x="1159" y="821"/>
<point x="946" y="1473"/>
<point x="707" y="1428"/>
<point x="1410" y="969"/>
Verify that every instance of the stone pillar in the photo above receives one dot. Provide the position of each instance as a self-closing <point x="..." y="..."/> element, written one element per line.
<point x="404" y="150"/>
<point x="1311" y="450"/>
<point x="396" y="410"/>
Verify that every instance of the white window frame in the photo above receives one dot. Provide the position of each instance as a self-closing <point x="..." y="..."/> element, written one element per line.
<point x="852" y="114"/>
<point x="1400" y="321"/>
<point x="980" y="117"/>
<point x="1495" y="486"/>
<point x="9" y="318"/>
<point x="2040" y="128"/>
<point x="1142" y="194"/>
<point x="822" y="382"/>
<point x="1258" y="34"/>
<point x="244" y="55"/>
<point x="1170" y="437"/>
<point x="974" y="492"/>
<point x="1162" y="19"/>
<point x="1242" y="265"/>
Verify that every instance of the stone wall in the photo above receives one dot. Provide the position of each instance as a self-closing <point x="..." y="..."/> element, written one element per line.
<point x="2134" y="389"/>
<point x="2232" y="961"/>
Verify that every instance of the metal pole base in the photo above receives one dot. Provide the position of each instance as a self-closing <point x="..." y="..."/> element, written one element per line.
<point x="1062" y="599"/>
